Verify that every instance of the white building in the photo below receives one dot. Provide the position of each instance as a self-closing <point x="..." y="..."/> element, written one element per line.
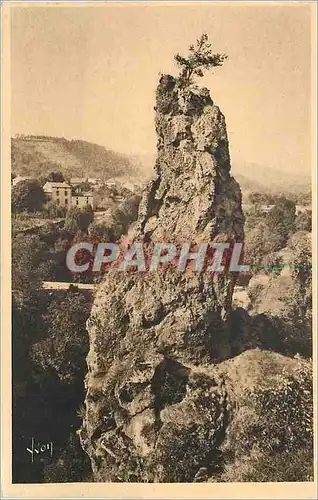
<point x="20" y="178"/>
<point x="81" y="200"/>
<point x="60" y="192"/>
<point x="94" y="180"/>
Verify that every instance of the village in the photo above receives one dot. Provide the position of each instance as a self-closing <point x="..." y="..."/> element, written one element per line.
<point x="79" y="192"/>
<point x="69" y="194"/>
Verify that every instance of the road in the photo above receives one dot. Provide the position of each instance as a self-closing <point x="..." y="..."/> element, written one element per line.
<point x="61" y="285"/>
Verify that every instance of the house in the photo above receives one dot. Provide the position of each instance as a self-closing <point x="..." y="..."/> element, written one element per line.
<point x="110" y="183"/>
<point x="266" y="208"/>
<point x="60" y="192"/>
<point x="75" y="181"/>
<point x="94" y="180"/>
<point x="81" y="200"/>
<point x="20" y="178"/>
<point x="302" y="208"/>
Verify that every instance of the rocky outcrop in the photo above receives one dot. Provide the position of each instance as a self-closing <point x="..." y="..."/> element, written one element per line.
<point x="192" y="196"/>
<point x="160" y="401"/>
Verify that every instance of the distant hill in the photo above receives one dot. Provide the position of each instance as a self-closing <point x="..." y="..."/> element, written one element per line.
<point x="253" y="177"/>
<point x="39" y="155"/>
<point x="256" y="178"/>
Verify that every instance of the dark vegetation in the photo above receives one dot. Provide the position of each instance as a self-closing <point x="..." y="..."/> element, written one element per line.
<point x="28" y="196"/>
<point x="49" y="346"/>
<point x="49" y="337"/>
<point x="37" y="156"/>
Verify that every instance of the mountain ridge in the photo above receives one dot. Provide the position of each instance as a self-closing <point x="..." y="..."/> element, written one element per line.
<point x="39" y="155"/>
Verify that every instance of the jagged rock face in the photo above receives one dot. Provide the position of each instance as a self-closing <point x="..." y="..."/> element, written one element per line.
<point x="192" y="196"/>
<point x="157" y="409"/>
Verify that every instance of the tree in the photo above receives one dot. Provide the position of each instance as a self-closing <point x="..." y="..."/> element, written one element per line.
<point x="30" y="264"/>
<point x="79" y="219"/>
<point x="27" y="195"/>
<point x="261" y="198"/>
<point x="303" y="221"/>
<point x="54" y="210"/>
<point x="66" y="344"/>
<point x="200" y="58"/>
<point x="83" y="187"/>
<point x="299" y="299"/>
<point x="282" y="217"/>
<point x="55" y="177"/>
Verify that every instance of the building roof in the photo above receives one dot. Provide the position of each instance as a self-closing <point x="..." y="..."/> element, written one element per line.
<point x="78" y="180"/>
<point x="94" y="179"/>
<point x="49" y="185"/>
<point x="20" y="178"/>
<point x="78" y="195"/>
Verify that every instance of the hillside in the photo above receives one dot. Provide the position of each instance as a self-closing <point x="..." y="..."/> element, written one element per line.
<point x="254" y="177"/>
<point x="40" y="155"/>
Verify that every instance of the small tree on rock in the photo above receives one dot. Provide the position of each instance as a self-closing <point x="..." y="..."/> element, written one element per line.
<point x="200" y="58"/>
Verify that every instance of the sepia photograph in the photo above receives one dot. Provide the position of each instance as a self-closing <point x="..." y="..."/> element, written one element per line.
<point x="158" y="248"/>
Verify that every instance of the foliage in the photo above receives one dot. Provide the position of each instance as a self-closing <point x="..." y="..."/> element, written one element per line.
<point x="299" y="300"/>
<point x="79" y="219"/>
<point x="39" y="155"/>
<point x="30" y="263"/>
<point x="100" y="232"/>
<point x="260" y="241"/>
<point x="267" y="233"/>
<point x="200" y="58"/>
<point x="55" y="177"/>
<point x="271" y="466"/>
<point x="263" y="198"/>
<point x="286" y="292"/>
<point x="108" y="196"/>
<point x="73" y="465"/>
<point x="27" y="195"/>
<point x="124" y="215"/>
<point x="54" y="210"/>
<point x="259" y="447"/>
<point x="117" y="222"/>
<point x="282" y="217"/>
<point x="83" y="187"/>
<point x="66" y="345"/>
<point x="303" y="221"/>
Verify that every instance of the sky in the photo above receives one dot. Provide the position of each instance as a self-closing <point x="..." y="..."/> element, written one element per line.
<point x="90" y="72"/>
